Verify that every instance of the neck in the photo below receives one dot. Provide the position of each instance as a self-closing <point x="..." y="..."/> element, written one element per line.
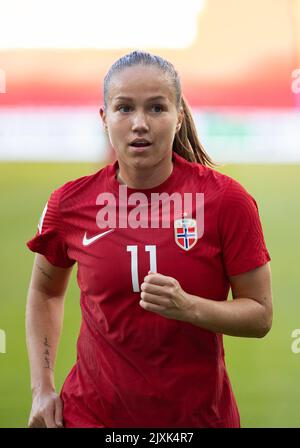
<point x="144" y="178"/>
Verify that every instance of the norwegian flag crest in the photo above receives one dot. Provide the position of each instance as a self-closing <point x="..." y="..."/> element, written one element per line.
<point x="185" y="233"/>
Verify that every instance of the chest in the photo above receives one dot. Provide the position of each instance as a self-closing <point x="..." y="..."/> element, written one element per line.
<point x="113" y="261"/>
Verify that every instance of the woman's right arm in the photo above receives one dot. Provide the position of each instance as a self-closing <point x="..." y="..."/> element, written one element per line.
<point x="44" y="318"/>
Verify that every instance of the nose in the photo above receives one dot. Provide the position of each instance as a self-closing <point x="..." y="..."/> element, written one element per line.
<point x="139" y="122"/>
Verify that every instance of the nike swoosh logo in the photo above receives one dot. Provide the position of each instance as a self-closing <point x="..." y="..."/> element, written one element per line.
<point x="87" y="241"/>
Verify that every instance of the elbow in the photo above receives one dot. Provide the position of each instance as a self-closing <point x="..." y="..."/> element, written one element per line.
<point x="265" y="326"/>
<point x="263" y="331"/>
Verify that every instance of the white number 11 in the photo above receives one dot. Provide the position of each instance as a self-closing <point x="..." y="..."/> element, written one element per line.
<point x="134" y="264"/>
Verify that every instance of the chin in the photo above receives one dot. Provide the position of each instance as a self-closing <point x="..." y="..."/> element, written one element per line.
<point x="142" y="162"/>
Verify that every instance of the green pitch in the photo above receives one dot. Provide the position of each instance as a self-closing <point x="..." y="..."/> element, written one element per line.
<point x="265" y="373"/>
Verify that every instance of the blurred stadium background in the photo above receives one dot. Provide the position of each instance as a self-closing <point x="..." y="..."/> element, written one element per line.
<point x="236" y="60"/>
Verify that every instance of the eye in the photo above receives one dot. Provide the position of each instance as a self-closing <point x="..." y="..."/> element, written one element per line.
<point x="157" y="108"/>
<point x="123" y="108"/>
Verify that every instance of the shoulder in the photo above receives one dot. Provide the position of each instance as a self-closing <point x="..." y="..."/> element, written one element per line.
<point x="237" y="206"/>
<point x="71" y="190"/>
<point x="228" y="194"/>
<point x="235" y="195"/>
<point x="208" y="179"/>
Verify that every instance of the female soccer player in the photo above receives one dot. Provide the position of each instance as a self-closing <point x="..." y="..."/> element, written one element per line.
<point x="159" y="237"/>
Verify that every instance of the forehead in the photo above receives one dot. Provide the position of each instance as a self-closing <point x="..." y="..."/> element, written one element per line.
<point x="141" y="82"/>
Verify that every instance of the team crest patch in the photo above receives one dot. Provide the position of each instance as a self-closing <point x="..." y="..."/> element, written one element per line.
<point x="185" y="233"/>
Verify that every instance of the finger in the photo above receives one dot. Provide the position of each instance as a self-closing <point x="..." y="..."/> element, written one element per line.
<point x="50" y="422"/>
<point x="58" y="413"/>
<point x="151" y="307"/>
<point x="159" y="279"/>
<point x="49" y="417"/>
<point x="153" y="289"/>
<point x="158" y="300"/>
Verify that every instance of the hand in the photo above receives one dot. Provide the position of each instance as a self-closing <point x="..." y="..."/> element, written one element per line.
<point x="46" y="411"/>
<point x="163" y="295"/>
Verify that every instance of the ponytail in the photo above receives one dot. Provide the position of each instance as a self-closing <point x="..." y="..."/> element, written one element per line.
<point x="186" y="142"/>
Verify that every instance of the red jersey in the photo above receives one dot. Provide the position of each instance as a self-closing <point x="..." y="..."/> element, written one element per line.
<point x="136" y="368"/>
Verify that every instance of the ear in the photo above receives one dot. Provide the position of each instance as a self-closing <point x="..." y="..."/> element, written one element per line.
<point x="180" y="119"/>
<point x="103" y="116"/>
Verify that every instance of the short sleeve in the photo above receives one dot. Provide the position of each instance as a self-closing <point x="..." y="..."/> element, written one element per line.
<point x="49" y="239"/>
<point x="241" y="234"/>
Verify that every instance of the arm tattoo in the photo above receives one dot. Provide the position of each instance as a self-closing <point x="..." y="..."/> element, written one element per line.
<point x="46" y="354"/>
<point x="43" y="272"/>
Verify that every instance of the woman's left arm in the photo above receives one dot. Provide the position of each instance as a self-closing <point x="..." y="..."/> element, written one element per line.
<point x="249" y="314"/>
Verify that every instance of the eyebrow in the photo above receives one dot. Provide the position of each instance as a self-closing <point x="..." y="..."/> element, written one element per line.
<point x="153" y="98"/>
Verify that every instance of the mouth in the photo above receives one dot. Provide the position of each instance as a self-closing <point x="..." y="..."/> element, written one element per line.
<point x="140" y="144"/>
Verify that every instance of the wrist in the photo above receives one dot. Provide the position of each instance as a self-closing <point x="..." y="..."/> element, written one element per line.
<point x="42" y="389"/>
<point x="190" y="310"/>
